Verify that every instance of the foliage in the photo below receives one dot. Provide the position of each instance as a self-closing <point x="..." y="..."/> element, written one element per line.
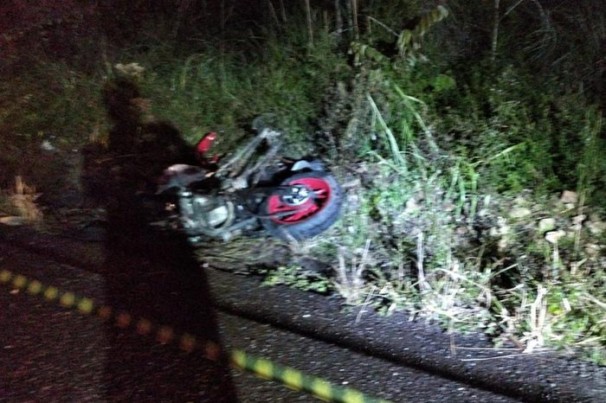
<point x="493" y="129"/>
<point x="452" y="148"/>
<point x="294" y="277"/>
<point x="213" y="90"/>
<point x="51" y="102"/>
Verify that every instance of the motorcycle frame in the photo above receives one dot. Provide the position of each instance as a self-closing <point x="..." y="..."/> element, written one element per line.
<point x="239" y="177"/>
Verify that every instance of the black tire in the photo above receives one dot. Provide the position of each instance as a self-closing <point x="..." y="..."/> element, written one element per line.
<point x="313" y="217"/>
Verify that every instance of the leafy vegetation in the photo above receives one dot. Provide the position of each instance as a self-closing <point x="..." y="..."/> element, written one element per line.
<point x="470" y="149"/>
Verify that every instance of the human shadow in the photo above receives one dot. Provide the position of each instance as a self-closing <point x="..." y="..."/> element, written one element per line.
<point x="157" y="292"/>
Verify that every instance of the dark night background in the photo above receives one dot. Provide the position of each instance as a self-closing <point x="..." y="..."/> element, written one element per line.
<point x="455" y="126"/>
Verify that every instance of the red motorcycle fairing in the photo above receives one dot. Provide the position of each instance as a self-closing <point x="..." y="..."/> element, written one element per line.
<point x="204" y="145"/>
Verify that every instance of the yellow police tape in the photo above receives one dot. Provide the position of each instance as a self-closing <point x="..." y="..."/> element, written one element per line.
<point x="263" y="368"/>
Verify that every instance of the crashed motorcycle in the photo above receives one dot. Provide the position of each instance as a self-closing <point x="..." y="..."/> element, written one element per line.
<point x="251" y="192"/>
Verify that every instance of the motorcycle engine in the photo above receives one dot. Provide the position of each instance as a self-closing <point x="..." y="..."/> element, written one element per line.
<point x="206" y="215"/>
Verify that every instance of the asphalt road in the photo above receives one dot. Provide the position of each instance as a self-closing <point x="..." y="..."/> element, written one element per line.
<point x="54" y="353"/>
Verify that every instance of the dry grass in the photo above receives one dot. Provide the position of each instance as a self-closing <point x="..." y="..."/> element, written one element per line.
<point x="20" y="205"/>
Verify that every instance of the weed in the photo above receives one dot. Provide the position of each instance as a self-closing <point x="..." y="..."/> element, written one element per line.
<point x="293" y="276"/>
<point x="20" y="205"/>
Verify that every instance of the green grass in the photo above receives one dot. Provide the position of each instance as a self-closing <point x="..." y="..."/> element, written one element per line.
<point x="440" y="268"/>
<point x="216" y="90"/>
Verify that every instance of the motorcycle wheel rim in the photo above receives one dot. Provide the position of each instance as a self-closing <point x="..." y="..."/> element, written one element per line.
<point x="286" y="213"/>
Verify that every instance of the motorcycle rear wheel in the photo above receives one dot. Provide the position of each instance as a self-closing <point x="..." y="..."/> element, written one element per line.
<point x="313" y="205"/>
